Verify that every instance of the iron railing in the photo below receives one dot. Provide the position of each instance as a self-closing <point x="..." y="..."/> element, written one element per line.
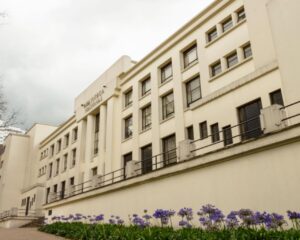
<point x="18" y="212"/>
<point x="169" y="158"/>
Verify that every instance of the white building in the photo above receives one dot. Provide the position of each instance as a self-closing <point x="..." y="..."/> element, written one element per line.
<point x="209" y="116"/>
<point x="4" y="131"/>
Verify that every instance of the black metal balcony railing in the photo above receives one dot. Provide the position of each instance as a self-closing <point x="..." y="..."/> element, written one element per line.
<point x="167" y="159"/>
<point x="17" y="213"/>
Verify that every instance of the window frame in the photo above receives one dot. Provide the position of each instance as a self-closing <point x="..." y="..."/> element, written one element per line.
<point x="163" y="78"/>
<point x="127" y="131"/>
<point x="189" y="91"/>
<point x="212" y="34"/>
<point x="187" y="53"/>
<point x="128" y="98"/>
<point x="166" y="114"/>
<point x="146" y="124"/>
<point x="232" y="59"/>
<point x="227" y="24"/>
<point x="241" y="17"/>
<point x="215" y="132"/>
<point x="144" y="84"/>
<point x="246" y="50"/>
<point x="213" y="71"/>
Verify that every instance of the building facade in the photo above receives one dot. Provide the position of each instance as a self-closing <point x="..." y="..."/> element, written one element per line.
<point x="209" y="116"/>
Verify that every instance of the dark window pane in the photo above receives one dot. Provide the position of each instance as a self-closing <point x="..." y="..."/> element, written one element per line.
<point x="190" y="56"/>
<point x="146" y="117"/>
<point x="215" y="136"/>
<point x="166" y="72"/>
<point x="169" y="149"/>
<point x="146" y="86"/>
<point x="128" y="98"/>
<point x="232" y="60"/>
<point x="190" y="132"/>
<point x="168" y="105"/>
<point x="276" y="98"/>
<point x="249" y="119"/>
<point x="126" y="158"/>
<point x="227" y="135"/>
<point x="146" y="159"/>
<point x="247" y="51"/>
<point x="212" y="34"/>
<point x="216" y="69"/>
<point x="226" y="25"/>
<point x="193" y="90"/>
<point x="203" y="130"/>
<point x="241" y="15"/>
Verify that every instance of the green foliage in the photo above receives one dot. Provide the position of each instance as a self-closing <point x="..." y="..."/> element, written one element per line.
<point x="81" y="231"/>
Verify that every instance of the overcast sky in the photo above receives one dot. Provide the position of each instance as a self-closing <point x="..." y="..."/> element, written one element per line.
<point x="50" y="50"/>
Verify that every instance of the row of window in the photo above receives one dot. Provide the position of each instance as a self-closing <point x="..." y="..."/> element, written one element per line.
<point x="225" y="25"/>
<point x="60" y="194"/>
<point x="59" y="143"/>
<point x="231" y="60"/>
<point x="63" y="168"/>
<point x="193" y="93"/>
<point x="248" y="119"/>
<point x="149" y="162"/>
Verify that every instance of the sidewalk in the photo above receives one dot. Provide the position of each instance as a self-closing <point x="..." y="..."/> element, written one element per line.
<point x="25" y="234"/>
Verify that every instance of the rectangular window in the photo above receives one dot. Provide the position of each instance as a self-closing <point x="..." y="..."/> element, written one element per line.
<point x="52" y="150"/>
<point x="227" y="135"/>
<point x="216" y="68"/>
<point x="65" y="162"/>
<point x="128" y="98"/>
<point x="128" y="127"/>
<point x="203" y="130"/>
<point x="75" y="134"/>
<point x="50" y="170"/>
<point x="126" y="158"/>
<point x="232" y="60"/>
<point x="96" y="134"/>
<point x="215" y="135"/>
<point x="72" y="181"/>
<point x="59" y="145"/>
<point x="146" y="154"/>
<point x="63" y="188"/>
<point x="241" y="15"/>
<point x="276" y="97"/>
<point x="193" y="90"/>
<point x="212" y="34"/>
<point x="190" y="132"/>
<point x="247" y="51"/>
<point x="47" y="195"/>
<point x="67" y="138"/>
<point x="166" y="72"/>
<point x="146" y="86"/>
<point x="146" y="117"/>
<point x="227" y="24"/>
<point x="57" y="166"/>
<point x="167" y="105"/>
<point x="249" y="120"/>
<point x="94" y="171"/>
<point x="190" y="56"/>
<point x="169" y="150"/>
<point x="73" y="157"/>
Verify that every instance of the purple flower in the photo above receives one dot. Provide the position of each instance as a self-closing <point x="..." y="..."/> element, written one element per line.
<point x="186" y="212"/>
<point x="137" y="221"/>
<point x="163" y="215"/>
<point x="232" y="220"/>
<point x="274" y="221"/>
<point x="211" y="217"/>
<point x="99" y="218"/>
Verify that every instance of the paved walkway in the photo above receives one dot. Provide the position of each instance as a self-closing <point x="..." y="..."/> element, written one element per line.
<point x="25" y="234"/>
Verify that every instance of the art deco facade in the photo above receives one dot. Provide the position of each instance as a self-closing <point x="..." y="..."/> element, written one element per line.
<point x="200" y="119"/>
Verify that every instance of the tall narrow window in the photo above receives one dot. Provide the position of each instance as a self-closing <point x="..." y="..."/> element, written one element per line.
<point x="190" y="133"/>
<point x="128" y="98"/>
<point x="59" y="145"/>
<point x="94" y="171"/>
<point x="146" y="117"/>
<point x="126" y="159"/>
<point x="52" y="150"/>
<point x="247" y="51"/>
<point x="75" y="134"/>
<point x="169" y="149"/>
<point x="276" y="97"/>
<point x="72" y="181"/>
<point x="203" y="130"/>
<point x="67" y="138"/>
<point x="212" y="34"/>
<point x="232" y="60"/>
<point x="241" y="15"/>
<point x="62" y="189"/>
<point x="166" y="72"/>
<point x="57" y="166"/>
<point x="227" y="135"/>
<point x="193" y="90"/>
<point x="190" y="56"/>
<point x="215" y="135"/>
<point x="128" y="127"/>
<point x="47" y="195"/>
<point x="249" y="120"/>
<point x="146" y="153"/>
<point x="167" y="105"/>
<point x="50" y="170"/>
<point x="73" y="157"/>
<point x="215" y="68"/>
<point x="65" y="162"/>
<point x="227" y="24"/>
<point x="146" y="86"/>
<point x="96" y="134"/>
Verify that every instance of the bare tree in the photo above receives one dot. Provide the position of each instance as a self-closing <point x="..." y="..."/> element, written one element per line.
<point x="7" y="117"/>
